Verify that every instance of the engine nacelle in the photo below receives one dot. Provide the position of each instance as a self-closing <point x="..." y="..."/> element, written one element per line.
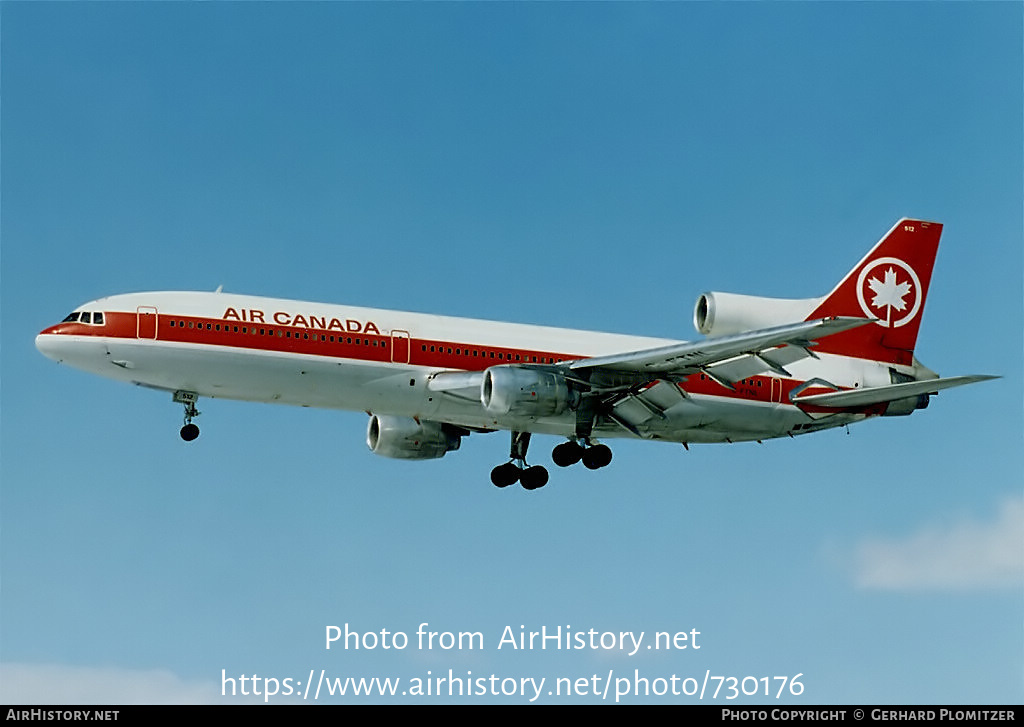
<point x="904" y="407"/>
<point x="508" y="390"/>
<point x="721" y="314"/>
<point x="404" y="438"/>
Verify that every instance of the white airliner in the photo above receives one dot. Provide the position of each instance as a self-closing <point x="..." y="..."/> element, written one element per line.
<point x="767" y="368"/>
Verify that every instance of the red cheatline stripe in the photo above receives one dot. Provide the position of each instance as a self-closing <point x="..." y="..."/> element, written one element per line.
<point x="351" y="345"/>
<point x="360" y="346"/>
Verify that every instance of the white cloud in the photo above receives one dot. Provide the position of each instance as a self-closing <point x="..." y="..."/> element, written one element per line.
<point x="58" y="684"/>
<point x="966" y="555"/>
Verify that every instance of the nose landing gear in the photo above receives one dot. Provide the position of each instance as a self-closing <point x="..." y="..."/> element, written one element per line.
<point x="190" y="431"/>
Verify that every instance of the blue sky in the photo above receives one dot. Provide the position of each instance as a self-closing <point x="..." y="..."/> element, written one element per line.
<point x="585" y="165"/>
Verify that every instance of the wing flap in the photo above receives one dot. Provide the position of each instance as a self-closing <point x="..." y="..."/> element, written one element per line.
<point x="635" y="411"/>
<point x="741" y="367"/>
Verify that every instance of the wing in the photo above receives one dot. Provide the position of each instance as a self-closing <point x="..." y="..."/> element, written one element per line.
<point x="726" y="358"/>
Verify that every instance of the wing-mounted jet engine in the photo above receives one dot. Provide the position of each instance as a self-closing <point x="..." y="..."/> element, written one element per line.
<point x="405" y="438"/>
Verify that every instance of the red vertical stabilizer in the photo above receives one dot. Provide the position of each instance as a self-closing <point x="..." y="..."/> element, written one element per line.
<point x="890" y="284"/>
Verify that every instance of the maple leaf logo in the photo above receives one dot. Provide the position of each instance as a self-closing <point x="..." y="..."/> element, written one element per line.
<point x="889" y="293"/>
<point x="882" y="291"/>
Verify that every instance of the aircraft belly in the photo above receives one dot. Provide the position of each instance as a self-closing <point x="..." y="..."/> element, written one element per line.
<point x="218" y="372"/>
<point x="402" y="390"/>
<point x="315" y="381"/>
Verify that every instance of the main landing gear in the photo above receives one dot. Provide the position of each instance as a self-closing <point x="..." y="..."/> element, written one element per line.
<point x="190" y="431"/>
<point x="517" y="470"/>
<point x="569" y="453"/>
<point x="566" y="454"/>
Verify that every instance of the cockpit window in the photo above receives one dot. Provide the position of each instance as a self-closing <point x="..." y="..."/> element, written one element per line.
<point x="95" y="319"/>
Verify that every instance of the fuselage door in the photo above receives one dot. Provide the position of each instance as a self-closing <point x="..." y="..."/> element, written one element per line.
<point x="145" y="326"/>
<point x="400" y="347"/>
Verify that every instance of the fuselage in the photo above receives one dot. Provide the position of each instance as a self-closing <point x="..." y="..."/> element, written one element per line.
<point x="230" y="346"/>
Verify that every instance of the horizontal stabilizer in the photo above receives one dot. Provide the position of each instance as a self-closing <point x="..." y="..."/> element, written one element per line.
<point x="880" y="394"/>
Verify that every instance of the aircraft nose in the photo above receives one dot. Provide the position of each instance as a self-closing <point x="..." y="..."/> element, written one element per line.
<point x="49" y="344"/>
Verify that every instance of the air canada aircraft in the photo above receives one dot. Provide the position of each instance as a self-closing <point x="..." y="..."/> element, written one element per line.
<point x="766" y="368"/>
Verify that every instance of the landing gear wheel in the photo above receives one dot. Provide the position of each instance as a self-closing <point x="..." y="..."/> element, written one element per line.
<point x="533" y="478"/>
<point x="190" y="431"/>
<point x="516" y="470"/>
<point x="505" y="474"/>
<point x="567" y="454"/>
<point x="597" y="457"/>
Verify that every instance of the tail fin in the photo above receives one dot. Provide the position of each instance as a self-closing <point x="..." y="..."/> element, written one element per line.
<point x="889" y="284"/>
